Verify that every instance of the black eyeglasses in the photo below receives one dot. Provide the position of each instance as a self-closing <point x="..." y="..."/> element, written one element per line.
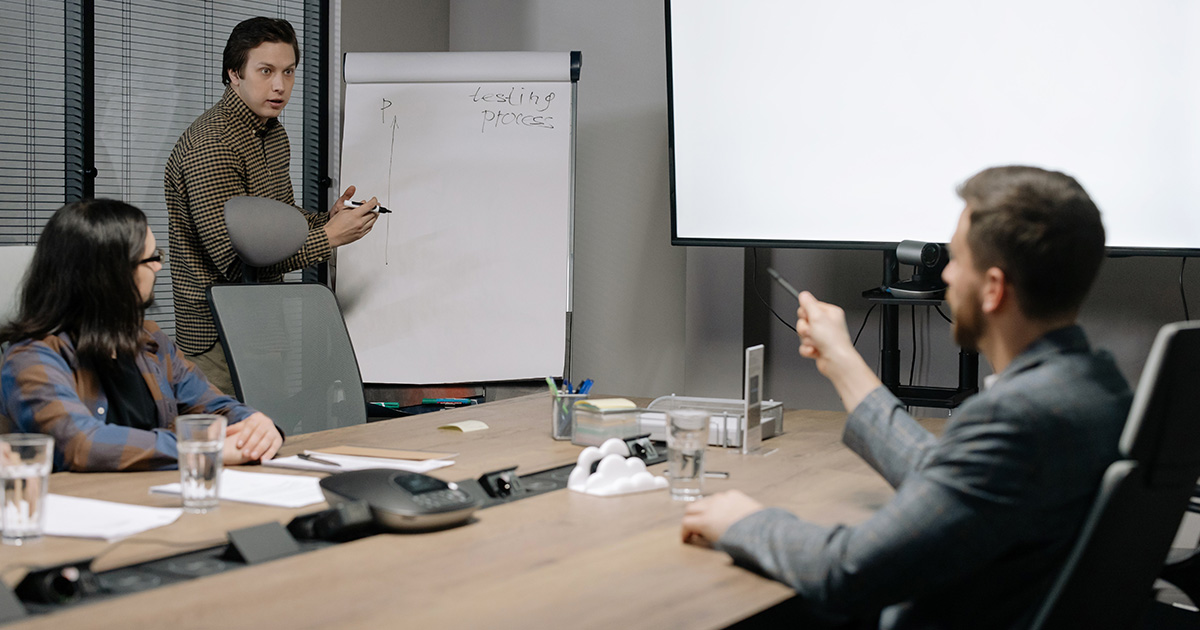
<point x="159" y="257"/>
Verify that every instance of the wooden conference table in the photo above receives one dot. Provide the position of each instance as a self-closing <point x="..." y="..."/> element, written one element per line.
<point x="553" y="560"/>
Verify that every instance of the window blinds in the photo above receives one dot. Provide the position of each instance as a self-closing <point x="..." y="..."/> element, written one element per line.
<point x="32" y="117"/>
<point x="155" y="67"/>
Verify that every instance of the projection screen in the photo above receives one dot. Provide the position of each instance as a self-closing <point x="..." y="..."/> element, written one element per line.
<point x="848" y="124"/>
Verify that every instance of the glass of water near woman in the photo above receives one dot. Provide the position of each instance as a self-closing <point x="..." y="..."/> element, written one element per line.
<point x="25" y="463"/>
<point x="201" y="441"/>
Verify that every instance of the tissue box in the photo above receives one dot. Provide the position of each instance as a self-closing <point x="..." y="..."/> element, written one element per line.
<point x="597" y="420"/>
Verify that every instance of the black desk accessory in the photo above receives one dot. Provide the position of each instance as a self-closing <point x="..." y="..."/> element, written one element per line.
<point x="340" y="523"/>
<point x="401" y="500"/>
<point x="261" y="543"/>
<point x="500" y="484"/>
<point x="641" y="447"/>
<point x="60" y="584"/>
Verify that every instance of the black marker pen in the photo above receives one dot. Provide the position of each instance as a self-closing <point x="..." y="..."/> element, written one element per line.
<point x="380" y="209"/>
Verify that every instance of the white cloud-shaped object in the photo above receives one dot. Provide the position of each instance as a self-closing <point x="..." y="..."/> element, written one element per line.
<point x="617" y="473"/>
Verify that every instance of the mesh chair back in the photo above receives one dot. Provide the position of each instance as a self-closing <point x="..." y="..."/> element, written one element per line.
<point x="289" y="354"/>
<point x="1108" y="579"/>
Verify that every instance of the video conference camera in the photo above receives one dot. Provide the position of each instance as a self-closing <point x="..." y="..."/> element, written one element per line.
<point x="928" y="261"/>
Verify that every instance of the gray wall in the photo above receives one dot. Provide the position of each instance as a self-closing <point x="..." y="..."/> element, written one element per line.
<point x="628" y="297"/>
<point x="395" y="25"/>
<point x="651" y="319"/>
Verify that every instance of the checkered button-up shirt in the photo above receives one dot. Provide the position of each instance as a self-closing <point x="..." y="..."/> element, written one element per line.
<point x="227" y="152"/>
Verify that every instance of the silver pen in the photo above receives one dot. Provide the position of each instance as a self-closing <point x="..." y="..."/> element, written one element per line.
<point x="318" y="460"/>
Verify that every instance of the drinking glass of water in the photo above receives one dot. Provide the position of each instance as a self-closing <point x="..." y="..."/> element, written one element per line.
<point x="687" y="437"/>
<point x="201" y="441"/>
<point x="25" y="462"/>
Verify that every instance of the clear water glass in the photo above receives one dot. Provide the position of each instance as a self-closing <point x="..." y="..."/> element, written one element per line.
<point x="201" y="442"/>
<point x="25" y="463"/>
<point x="687" y="439"/>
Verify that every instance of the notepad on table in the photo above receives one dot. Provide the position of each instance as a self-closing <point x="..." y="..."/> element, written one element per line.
<point x="93" y="518"/>
<point x="346" y="463"/>
<point x="289" y="491"/>
<point x="389" y="453"/>
<point x="606" y="404"/>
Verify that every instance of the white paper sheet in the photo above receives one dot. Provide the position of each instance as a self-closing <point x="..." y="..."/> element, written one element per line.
<point x="290" y="491"/>
<point x="92" y="518"/>
<point x="352" y="462"/>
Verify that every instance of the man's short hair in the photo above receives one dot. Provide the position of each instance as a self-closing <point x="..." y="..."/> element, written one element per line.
<point x="250" y="34"/>
<point x="1042" y="229"/>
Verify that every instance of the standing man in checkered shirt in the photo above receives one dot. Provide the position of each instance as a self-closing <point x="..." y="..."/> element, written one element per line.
<point x="239" y="148"/>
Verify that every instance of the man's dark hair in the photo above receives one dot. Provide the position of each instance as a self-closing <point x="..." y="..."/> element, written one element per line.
<point x="1042" y="229"/>
<point x="249" y="35"/>
<point x="81" y="281"/>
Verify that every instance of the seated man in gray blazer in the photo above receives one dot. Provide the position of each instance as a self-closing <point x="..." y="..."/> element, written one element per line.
<point x="985" y="515"/>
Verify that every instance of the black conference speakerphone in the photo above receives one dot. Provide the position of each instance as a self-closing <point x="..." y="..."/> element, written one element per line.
<point x="400" y="500"/>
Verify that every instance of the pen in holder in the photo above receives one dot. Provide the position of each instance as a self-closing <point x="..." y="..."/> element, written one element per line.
<point x="562" y="415"/>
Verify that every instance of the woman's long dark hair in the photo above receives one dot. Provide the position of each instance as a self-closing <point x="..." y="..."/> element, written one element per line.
<point x="81" y="281"/>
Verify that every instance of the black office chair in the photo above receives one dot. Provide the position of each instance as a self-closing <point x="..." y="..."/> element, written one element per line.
<point x="287" y="346"/>
<point x="1108" y="579"/>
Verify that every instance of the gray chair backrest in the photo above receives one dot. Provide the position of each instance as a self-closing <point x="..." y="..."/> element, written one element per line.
<point x="264" y="231"/>
<point x="1107" y="580"/>
<point x="14" y="260"/>
<point x="289" y="354"/>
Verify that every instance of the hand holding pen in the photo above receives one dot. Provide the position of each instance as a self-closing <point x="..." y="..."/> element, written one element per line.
<point x="349" y="223"/>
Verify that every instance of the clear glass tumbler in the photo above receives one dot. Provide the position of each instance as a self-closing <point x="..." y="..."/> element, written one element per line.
<point x="25" y="463"/>
<point x="687" y="438"/>
<point x="201" y="442"/>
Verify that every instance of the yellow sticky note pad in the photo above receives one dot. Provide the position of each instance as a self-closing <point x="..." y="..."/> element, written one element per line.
<point x="466" y="426"/>
<point x="606" y="404"/>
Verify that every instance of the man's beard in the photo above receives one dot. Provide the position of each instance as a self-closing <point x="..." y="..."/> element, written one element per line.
<point x="969" y="324"/>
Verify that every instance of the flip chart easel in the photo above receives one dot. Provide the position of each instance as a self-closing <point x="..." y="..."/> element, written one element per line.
<point x="468" y="278"/>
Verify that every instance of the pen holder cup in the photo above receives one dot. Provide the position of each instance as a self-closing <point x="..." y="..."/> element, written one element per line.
<point x="562" y="415"/>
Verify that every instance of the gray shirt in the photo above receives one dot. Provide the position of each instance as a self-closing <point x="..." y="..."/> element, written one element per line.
<point x="983" y="517"/>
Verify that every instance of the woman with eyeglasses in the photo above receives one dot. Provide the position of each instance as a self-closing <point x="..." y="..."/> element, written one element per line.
<point x="85" y="366"/>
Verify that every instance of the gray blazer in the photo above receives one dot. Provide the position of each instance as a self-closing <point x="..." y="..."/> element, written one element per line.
<point x="983" y="517"/>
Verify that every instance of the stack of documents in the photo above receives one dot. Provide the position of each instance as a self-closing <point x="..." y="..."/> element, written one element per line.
<point x="92" y="518"/>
